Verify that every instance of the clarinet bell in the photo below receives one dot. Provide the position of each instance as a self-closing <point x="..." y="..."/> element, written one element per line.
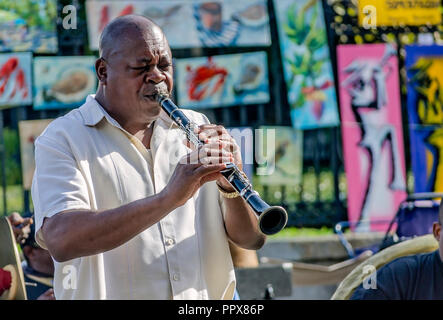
<point x="272" y="220"/>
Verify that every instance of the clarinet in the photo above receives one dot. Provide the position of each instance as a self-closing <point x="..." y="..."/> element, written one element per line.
<point x="271" y="219"/>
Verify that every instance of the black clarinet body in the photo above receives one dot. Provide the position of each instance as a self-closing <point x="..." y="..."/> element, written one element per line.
<point x="271" y="219"/>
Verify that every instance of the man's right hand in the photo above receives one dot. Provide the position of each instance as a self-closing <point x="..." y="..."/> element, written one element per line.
<point x="195" y="169"/>
<point x="48" y="295"/>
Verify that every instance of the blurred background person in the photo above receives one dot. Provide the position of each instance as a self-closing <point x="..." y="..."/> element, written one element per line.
<point x="38" y="267"/>
<point x="20" y="226"/>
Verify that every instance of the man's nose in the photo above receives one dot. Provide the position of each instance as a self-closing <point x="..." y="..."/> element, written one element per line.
<point x="155" y="75"/>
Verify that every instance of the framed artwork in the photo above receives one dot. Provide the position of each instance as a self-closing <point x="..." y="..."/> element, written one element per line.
<point x="220" y="81"/>
<point x="28" y="25"/>
<point x="29" y="130"/>
<point x="63" y="82"/>
<point x="244" y="137"/>
<point x="424" y="68"/>
<point x="279" y="154"/>
<point x="372" y="133"/>
<point x="190" y="24"/>
<point x="15" y="79"/>
<point x="306" y="63"/>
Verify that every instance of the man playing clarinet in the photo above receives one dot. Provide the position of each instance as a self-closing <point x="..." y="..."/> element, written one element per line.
<point x="122" y="216"/>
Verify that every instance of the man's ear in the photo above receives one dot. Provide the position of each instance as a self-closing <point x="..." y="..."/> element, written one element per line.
<point x="100" y="70"/>
<point x="436" y="230"/>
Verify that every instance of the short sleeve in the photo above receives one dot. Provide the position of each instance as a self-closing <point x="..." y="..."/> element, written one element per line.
<point x="58" y="184"/>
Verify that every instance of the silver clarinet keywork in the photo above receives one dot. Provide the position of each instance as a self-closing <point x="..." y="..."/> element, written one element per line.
<point x="271" y="219"/>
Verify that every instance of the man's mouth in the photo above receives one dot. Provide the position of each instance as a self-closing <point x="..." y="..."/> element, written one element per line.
<point x="150" y="97"/>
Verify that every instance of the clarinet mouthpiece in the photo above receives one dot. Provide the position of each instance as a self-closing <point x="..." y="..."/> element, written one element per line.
<point x="161" y="94"/>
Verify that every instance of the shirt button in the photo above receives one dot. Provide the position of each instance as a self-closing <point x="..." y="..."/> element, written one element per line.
<point x="169" y="242"/>
<point x="176" y="277"/>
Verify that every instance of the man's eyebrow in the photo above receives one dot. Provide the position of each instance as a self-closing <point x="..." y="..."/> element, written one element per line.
<point x="144" y="60"/>
<point x="149" y="60"/>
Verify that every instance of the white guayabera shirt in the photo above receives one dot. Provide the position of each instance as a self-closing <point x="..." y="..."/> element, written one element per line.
<point x="85" y="160"/>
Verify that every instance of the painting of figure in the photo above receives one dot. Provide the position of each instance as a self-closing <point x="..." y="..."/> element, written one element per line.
<point x="307" y="65"/>
<point x="190" y="24"/>
<point x="426" y="157"/>
<point x="225" y="80"/>
<point x="15" y="79"/>
<point x="372" y="132"/>
<point x="424" y="66"/>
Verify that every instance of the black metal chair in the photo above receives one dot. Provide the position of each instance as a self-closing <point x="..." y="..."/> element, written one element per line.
<point x="415" y="217"/>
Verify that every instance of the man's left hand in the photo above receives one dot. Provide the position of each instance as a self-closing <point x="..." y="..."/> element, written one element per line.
<point x="212" y="133"/>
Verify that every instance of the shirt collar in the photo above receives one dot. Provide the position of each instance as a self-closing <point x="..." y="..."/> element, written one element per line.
<point x="93" y="113"/>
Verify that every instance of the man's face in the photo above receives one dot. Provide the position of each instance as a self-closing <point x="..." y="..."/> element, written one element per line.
<point x="141" y="67"/>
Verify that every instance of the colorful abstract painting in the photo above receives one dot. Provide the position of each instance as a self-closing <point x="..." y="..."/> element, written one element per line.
<point x="63" y="82"/>
<point x="426" y="157"/>
<point x="15" y="79"/>
<point x="279" y="155"/>
<point x="244" y="137"/>
<point x="28" y="25"/>
<point x="225" y="80"/>
<point x="372" y="132"/>
<point x="307" y="65"/>
<point x="424" y="67"/>
<point x="29" y="130"/>
<point x="190" y="24"/>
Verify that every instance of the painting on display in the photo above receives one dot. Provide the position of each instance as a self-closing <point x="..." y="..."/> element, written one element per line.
<point x="29" y="130"/>
<point x="306" y="62"/>
<point x="28" y="25"/>
<point x="225" y="80"/>
<point x="63" y="82"/>
<point x="244" y="137"/>
<point x="372" y="133"/>
<point x="426" y="157"/>
<point x="279" y="155"/>
<point x="382" y="13"/>
<point x="15" y="79"/>
<point x="190" y="24"/>
<point x="424" y="67"/>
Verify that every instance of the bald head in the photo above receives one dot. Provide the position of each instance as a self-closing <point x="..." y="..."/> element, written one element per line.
<point x="126" y="29"/>
<point x="135" y="63"/>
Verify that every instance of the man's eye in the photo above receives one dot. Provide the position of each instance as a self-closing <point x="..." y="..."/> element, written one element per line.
<point x="141" y="68"/>
<point x="165" y="66"/>
<point x="147" y="68"/>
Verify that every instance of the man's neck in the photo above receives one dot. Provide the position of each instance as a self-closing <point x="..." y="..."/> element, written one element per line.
<point x="145" y="136"/>
<point x="134" y="126"/>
